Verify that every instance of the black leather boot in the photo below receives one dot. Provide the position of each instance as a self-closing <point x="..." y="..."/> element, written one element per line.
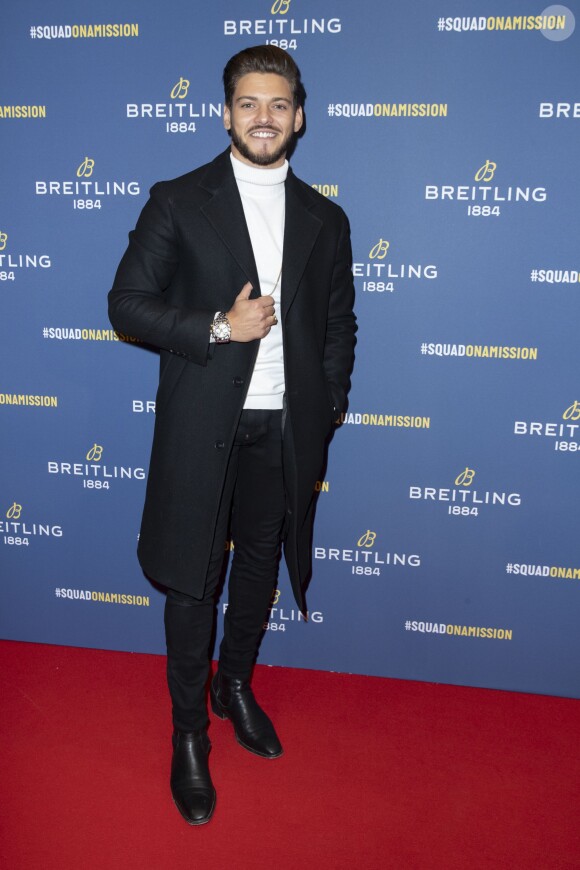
<point x="233" y="699"/>
<point x="191" y="784"/>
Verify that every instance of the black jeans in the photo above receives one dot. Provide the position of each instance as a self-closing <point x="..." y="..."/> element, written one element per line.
<point x="254" y="497"/>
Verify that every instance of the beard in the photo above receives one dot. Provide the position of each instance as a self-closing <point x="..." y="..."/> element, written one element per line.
<point x="261" y="158"/>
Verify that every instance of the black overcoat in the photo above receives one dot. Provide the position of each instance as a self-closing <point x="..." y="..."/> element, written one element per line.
<point x="188" y="257"/>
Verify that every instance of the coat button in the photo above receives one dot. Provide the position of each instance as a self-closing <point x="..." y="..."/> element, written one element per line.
<point x="219" y="445"/>
<point x="238" y="381"/>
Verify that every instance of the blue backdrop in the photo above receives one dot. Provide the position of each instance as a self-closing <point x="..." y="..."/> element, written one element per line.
<point x="446" y="539"/>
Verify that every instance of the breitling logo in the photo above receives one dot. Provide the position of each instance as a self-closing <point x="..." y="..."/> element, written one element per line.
<point x="18" y="532"/>
<point x="275" y="597"/>
<point x="573" y="412"/>
<point x="486" y="200"/>
<point x="280" y="7"/>
<point x="85" y="170"/>
<point x="380" y="250"/>
<point x="13" y="260"/>
<point x="94" y="474"/>
<point x="89" y="191"/>
<point x="463" y="501"/>
<point x="365" y="560"/>
<point x="381" y="270"/>
<point x="565" y="436"/>
<point x="465" y="478"/>
<point x="180" y="89"/>
<point x="486" y="172"/>
<point x="367" y="540"/>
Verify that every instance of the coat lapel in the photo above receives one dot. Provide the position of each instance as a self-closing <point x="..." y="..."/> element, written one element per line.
<point x="300" y="233"/>
<point x="225" y="213"/>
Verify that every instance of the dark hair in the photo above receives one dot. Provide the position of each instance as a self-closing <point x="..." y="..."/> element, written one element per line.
<point x="263" y="59"/>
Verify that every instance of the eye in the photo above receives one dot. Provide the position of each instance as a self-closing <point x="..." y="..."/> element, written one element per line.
<point x="282" y="106"/>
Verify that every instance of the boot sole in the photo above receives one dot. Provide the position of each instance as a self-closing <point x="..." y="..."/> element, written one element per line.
<point x="254" y="752"/>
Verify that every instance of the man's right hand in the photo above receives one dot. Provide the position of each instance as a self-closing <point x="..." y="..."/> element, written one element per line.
<point x="251" y="318"/>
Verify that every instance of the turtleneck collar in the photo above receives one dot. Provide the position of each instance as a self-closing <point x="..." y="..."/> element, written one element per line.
<point x="265" y="176"/>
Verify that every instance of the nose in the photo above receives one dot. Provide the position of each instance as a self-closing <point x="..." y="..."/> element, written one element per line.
<point x="264" y="115"/>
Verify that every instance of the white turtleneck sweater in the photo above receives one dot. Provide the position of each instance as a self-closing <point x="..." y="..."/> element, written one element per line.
<point x="263" y="198"/>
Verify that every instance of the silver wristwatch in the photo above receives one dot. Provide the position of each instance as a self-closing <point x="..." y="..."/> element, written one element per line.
<point x="221" y="330"/>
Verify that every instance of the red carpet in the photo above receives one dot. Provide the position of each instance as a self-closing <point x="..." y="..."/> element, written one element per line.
<point x="376" y="773"/>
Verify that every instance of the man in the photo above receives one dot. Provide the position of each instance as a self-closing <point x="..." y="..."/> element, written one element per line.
<point x="240" y="274"/>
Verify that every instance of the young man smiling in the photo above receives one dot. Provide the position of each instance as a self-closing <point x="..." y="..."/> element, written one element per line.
<point x="240" y="274"/>
<point x="262" y="122"/>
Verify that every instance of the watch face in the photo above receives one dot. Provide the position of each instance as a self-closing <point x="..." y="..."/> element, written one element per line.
<point x="221" y="330"/>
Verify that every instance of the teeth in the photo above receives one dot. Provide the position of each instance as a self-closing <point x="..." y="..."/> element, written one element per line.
<point x="263" y="135"/>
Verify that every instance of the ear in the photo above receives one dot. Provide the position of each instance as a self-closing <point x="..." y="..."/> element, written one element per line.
<point x="227" y="118"/>
<point x="298" y="119"/>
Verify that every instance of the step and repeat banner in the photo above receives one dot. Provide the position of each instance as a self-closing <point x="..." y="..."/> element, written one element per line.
<point x="446" y="543"/>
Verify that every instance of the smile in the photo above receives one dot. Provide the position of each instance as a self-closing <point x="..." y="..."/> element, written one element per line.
<point x="263" y="134"/>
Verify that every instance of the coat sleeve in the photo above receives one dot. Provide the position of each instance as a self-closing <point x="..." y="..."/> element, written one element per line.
<point x="137" y="303"/>
<point x="341" y="323"/>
